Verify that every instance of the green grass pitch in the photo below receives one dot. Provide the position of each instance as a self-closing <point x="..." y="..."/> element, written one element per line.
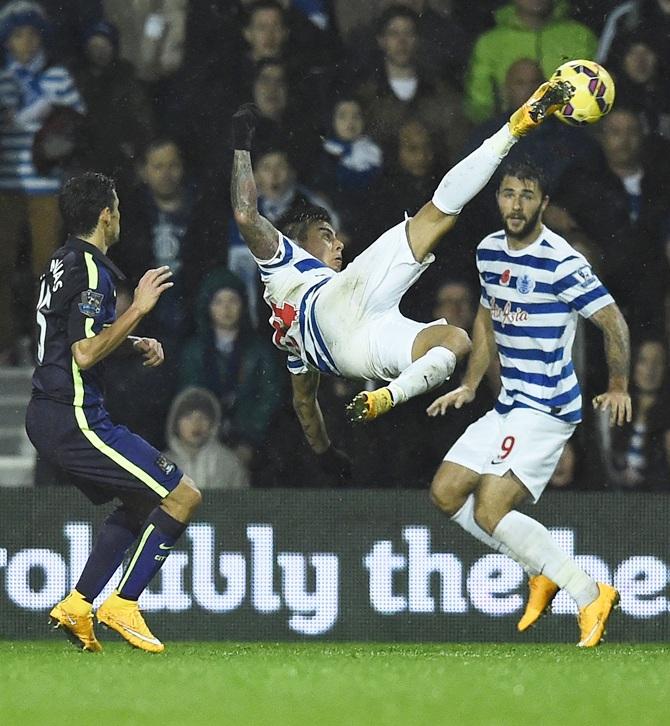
<point x="319" y="684"/>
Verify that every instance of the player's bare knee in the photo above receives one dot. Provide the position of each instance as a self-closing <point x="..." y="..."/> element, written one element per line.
<point x="458" y="341"/>
<point x="444" y="497"/>
<point x="487" y="514"/>
<point x="183" y="501"/>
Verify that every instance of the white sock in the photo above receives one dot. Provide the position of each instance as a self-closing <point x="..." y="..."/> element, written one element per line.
<point x="425" y="373"/>
<point x="472" y="174"/>
<point x="465" y="517"/>
<point x="530" y="540"/>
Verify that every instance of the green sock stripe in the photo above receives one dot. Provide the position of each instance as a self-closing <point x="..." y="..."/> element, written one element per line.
<point x="145" y="536"/>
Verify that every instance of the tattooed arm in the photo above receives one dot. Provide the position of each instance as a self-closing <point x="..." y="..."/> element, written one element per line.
<point x="259" y="234"/>
<point x="617" y="352"/>
<point x="306" y="406"/>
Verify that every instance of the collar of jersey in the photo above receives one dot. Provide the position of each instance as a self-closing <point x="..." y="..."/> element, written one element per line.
<point x="79" y="244"/>
<point x="528" y="248"/>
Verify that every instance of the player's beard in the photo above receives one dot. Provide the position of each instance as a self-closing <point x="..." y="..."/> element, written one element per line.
<point x="526" y="229"/>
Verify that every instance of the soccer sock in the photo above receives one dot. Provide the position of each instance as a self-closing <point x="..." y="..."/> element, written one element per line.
<point x="471" y="175"/>
<point x="466" y="519"/>
<point x="157" y="539"/>
<point x="530" y="540"/>
<point x="118" y="532"/>
<point x="425" y="373"/>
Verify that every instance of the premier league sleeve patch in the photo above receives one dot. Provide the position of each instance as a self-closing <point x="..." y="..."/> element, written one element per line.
<point x="91" y="303"/>
<point x="586" y="278"/>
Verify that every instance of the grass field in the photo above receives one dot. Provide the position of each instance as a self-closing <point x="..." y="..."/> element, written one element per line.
<point x="50" y="683"/>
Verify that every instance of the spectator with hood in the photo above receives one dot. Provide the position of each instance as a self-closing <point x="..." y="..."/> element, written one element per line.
<point x="227" y="357"/>
<point x="191" y="432"/>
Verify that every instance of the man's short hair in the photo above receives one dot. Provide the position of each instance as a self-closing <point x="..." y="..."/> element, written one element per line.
<point x="396" y="11"/>
<point x="296" y="223"/>
<point x="158" y="143"/>
<point x="525" y="169"/>
<point x="263" y="5"/>
<point x="81" y="200"/>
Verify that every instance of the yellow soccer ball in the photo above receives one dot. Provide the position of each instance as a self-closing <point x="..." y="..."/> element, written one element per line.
<point x="594" y="92"/>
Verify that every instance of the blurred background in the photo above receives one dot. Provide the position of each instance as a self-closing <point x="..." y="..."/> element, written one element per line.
<point x="364" y="107"/>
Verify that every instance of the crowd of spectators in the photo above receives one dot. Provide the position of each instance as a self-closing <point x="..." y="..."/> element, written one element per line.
<point x="363" y="105"/>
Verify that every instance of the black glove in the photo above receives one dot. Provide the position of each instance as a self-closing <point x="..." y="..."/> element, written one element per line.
<point x="336" y="463"/>
<point x="244" y="126"/>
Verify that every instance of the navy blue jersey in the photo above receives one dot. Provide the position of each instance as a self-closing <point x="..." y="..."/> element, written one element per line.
<point x="77" y="300"/>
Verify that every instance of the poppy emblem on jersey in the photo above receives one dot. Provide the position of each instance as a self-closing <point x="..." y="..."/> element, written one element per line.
<point x="91" y="303"/>
<point x="165" y="465"/>
<point x="505" y="277"/>
<point x="525" y="284"/>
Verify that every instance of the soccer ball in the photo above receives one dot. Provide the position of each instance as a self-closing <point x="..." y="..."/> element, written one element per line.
<point x="594" y="92"/>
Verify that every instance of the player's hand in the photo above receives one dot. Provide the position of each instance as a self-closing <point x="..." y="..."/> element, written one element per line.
<point x="335" y="462"/>
<point x="152" y="351"/>
<point x="243" y="126"/>
<point x="456" y="398"/>
<point x="152" y="285"/>
<point x="619" y="405"/>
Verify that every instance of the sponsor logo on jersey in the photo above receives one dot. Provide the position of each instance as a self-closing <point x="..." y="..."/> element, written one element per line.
<point x="505" y="314"/>
<point x="525" y="284"/>
<point x="91" y="303"/>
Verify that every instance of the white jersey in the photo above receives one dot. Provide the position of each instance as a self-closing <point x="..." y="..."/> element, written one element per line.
<point x="534" y="296"/>
<point x="292" y="280"/>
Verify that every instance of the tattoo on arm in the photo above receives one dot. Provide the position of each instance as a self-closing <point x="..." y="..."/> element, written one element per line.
<point x="308" y="411"/>
<point x="259" y="234"/>
<point x="617" y="345"/>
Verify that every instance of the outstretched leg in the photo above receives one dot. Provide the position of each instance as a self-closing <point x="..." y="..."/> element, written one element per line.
<point x="470" y="176"/>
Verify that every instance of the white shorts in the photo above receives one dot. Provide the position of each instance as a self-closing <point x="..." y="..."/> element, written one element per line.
<point x="527" y="442"/>
<point x="358" y="311"/>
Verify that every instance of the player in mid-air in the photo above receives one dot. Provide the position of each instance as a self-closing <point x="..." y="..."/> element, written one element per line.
<point x="348" y="323"/>
<point x="68" y="425"/>
<point x="534" y="285"/>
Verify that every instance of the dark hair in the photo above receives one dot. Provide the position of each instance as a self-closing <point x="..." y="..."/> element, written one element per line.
<point x="264" y="63"/>
<point x="81" y="200"/>
<point x="396" y="11"/>
<point x="526" y="169"/>
<point x="158" y="143"/>
<point x="296" y="223"/>
<point x="263" y="5"/>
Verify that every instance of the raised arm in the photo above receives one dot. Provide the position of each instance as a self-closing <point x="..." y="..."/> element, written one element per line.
<point x="259" y="234"/>
<point x="617" y="352"/>
<point x="483" y="352"/>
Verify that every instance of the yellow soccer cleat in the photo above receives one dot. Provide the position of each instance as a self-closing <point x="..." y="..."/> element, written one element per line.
<point x="125" y="617"/>
<point x="541" y="591"/>
<point x="593" y="618"/>
<point x="369" y="405"/>
<point x="548" y="98"/>
<point x="74" y="616"/>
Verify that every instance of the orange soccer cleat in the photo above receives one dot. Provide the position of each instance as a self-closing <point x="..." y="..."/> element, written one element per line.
<point x="125" y="617"/>
<point x="369" y="405"/>
<point x="593" y="617"/>
<point x="547" y="99"/>
<point x="74" y="616"/>
<point x="541" y="592"/>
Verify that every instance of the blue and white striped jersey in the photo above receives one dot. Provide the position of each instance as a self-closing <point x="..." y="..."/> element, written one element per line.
<point x="27" y="94"/>
<point x="293" y="279"/>
<point x="534" y="296"/>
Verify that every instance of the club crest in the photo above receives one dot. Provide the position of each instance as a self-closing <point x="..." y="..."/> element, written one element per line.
<point x="525" y="284"/>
